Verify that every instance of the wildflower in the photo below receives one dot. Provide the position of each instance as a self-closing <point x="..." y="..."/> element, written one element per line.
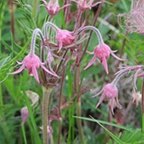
<point x="110" y="94"/>
<point x="53" y="6"/>
<point x="64" y="37"/>
<point x="102" y="52"/>
<point x="85" y="4"/>
<point x="32" y="63"/>
<point x="24" y="114"/>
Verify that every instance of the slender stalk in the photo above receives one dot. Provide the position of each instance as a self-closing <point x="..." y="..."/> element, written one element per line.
<point x="60" y="103"/>
<point x="78" y="109"/>
<point x="35" y="5"/>
<point x="142" y="105"/>
<point x="95" y="19"/>
<point x="45" y="103"/>
<point x="24" y="134"/>
<point x="11" y="5"/>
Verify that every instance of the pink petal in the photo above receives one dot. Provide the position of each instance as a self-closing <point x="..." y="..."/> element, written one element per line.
<point x="100" y="100"/>
<point x="92" y="61"/>
<point x="19" y="70"/>
<point x="104" y="63"/>
<point x="64" y="6"/>
<point x="112" y="53"/>
<point x="52" y="73"/>
<point x="35" y="74"/>
<point x="45" y="3"/>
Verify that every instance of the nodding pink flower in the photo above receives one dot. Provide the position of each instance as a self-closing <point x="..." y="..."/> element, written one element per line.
<point x="86" y="4"/>
<point x="64" y="37"/>
<point x="110" y="94"/>
<point x="32" y="63"/>
<point x="24" y="114"/>
<point x="102" y="52"/>
<point x="53" y="6"/>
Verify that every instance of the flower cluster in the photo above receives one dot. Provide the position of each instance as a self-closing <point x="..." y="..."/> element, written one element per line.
<point x="110" y="91"/>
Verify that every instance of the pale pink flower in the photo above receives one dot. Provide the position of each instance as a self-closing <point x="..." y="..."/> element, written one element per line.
<point x="102" y="52"/>
<point x="85" y="4"/>
<point x="32" y="63"/>
<point x="110" y="94"/>
<point x="53" y="6"/>
<point x="24" y="114"/>
<point x="64" y="37"/>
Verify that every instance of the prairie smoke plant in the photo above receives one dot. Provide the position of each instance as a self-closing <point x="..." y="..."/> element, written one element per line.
<point x="85" y="4"/>
<point x="32" y="62"/>
<point x="53" y="6"/>
<point x="63" y="37"/>
<point x="109" y="93"/>
<point x="102" y="50"/>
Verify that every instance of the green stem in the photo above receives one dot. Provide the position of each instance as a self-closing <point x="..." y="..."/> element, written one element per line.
<point x="78" y="109"/>
<point x="45" y="103"/>
<point x="142" y="104"/>
<point x="60" y="103"/>
<point x="24" y="134"/>
<point x="35" y="5"/>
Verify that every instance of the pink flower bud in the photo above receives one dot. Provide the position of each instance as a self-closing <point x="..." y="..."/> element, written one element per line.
<point x="24" y="114"/>
<point x="110" y="94"/>
<point x="64" y="37"/>
<point x="102" y="52"/>
<point x="32" y="62"/>
<point x="52" y="7"/>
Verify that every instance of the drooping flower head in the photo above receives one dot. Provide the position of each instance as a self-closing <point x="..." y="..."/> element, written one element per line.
<point x="32" y="62"/>
<point x="85" y="4"/>
<point x="102" y="50"/>
<point x="52" y="7"/>
<point x="64" y="37"/>
<point x="109" y="93"/>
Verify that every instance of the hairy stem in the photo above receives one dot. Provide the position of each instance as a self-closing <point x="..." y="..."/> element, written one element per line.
<point x="95" y="19"/>
<point x="11" y="5"/>
<point x="60" y="103"/>
<point x="45" y="103"/>
<point x="78" y="109"/>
